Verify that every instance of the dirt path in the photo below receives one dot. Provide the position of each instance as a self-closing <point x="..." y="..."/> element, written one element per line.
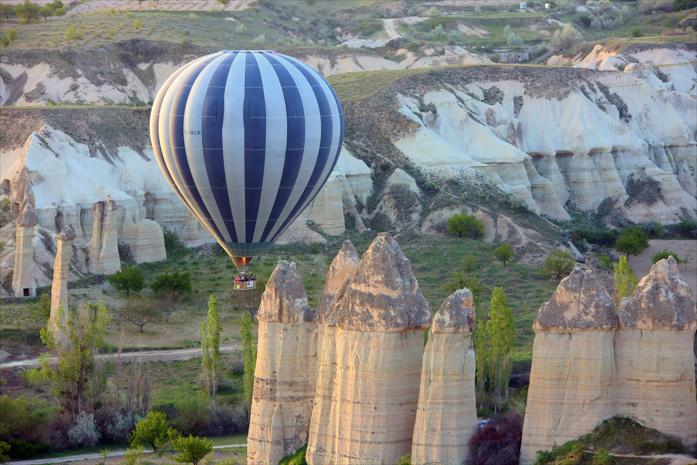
<point x="144" y="355"/>
<point x="112" y="454"/>
<point x="677" y="459"/>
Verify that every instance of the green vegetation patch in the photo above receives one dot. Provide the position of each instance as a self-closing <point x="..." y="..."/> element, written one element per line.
<point x="620" y="436"/>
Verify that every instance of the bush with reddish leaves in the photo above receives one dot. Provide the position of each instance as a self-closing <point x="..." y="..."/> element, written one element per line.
<point x="497" y="442"/>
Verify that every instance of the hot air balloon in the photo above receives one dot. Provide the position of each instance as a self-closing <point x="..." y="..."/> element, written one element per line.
<point x="246" y="139"/>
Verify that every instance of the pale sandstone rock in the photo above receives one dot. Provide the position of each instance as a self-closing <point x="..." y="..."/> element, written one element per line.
<point x="23" y="283"/>
<point x="655" y="360"/>
<point x="401" y="201"/>
<point x="380" y="317"/>
<point x="447" y="410"/>
<point x="573" y="366"/>
<point x="285" y="373"/>
<point x="146" y="240"/>
<point x="341" y="272"/>
<point x="103" y="248"/>
<point x="61" y="272"/>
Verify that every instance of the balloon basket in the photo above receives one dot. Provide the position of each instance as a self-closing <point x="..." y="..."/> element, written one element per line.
<point x="244" y="282"/>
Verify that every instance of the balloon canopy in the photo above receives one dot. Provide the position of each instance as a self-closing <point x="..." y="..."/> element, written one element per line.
<point x="246" y="139"/>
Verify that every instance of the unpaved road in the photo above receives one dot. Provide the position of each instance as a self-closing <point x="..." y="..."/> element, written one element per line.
<point x="112" y="454"/>
<point x="677" y="459"/>
<point x="172" y="355"/>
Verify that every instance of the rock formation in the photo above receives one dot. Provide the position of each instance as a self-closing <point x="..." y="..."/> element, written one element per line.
<point x="655" y="360"/>
<point x="103" y="248"/>
<point x="447" y="411"/>
<point x="23" y="283"/>
<point x="380" y="317"/>
<point x="584" y="370"/>
<point x="61" y="272"/>
<point x="284" y="378"/>
<point x="145" y="239"/>
<point x="573" y="365"/>
<point x="341" y="272"/>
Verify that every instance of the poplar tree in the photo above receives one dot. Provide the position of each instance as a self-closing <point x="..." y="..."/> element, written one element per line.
<point x="249" y="356"/>
<point x="499" y="335"/>
<point x="210" y="348"/>
<point x="625" y="279"/>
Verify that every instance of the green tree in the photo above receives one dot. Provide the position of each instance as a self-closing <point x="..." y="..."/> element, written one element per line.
<point x="191" y="449"/>
<point x="625" y="279"/>
<point x="175" y="284"/>
<point x="210" y="348"/>
<point x="4" y="449"/>
<point x="658" y="256"/>
<point x="27" y="12"/>
<point x="463" y="225"/>
<point x="75" y="377"/>
<point x="460" y="280"/>
<point x="11" y="33"/>
<point x="249" y="356"/>
<point x="152" y="431"/>
<point x="130" y="279"/>
<point x="496" y="340"/>
<point x="501" y="334"/>
<point x="632" y="240"/>
<point x="558" y="263"/>
<point x="72" y="33"/>
<point x="504" y="253"/>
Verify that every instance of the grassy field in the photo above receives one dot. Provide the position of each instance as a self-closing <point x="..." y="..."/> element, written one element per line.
<point x="434" y="260"/>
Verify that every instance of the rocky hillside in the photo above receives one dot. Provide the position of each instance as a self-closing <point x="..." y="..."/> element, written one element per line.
<point x="557" y="140"/>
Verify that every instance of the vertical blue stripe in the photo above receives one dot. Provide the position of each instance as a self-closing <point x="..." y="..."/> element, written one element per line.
<point x="212" y="137"/>
<point x="254" y="142"/>
<point x="324" y="145"/>
<point x="295" y="121"/>
<point x="176" y="129"/>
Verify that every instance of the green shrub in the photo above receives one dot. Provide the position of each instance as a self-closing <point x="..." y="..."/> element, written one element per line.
<point x="296" y="458"/>
<point x="130" y="279"/>
<point x="632" y="240"/>
<point x="665" y="254"/>
<point x="504" y="253"/>
<point x="603" y="457"/>
<point x="175" y="284"/>
<point x="191" y="449"/>
<point x="152" y="431"/>
<point x="137" y="24"/>
<point x="172" y="241"/>
<point x="464" y="225"/>
<point x="636" y="32"/>
<point x="11" y="34"/>
<point x="369" y="27"/>
<point x="558" y="264"/>
<point x="73" y="33"/>
<point x="469" y="263"/>
<point x="404" y="460"/>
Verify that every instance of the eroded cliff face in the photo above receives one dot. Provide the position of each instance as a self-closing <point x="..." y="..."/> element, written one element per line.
<point x="592" y="362"/>
<point x="446" y="416"/>
<point x="286" y="368"/>
<point x="70" y="161"/>
<point x="380" y="315"/>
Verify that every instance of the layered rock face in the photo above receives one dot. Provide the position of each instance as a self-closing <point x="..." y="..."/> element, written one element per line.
<point x="341" y="272"/>
<point x="61" y="272"/>
<point x="284" y="378"/>
<point x="590" y="364"/>
<point x="380" y="316"/>
<point x="23" y="283"/>
<point x="573" y="365"/>
<point x="655" y="360"/>
<point x="446" y="415"/>
<point x="103" y="248"/>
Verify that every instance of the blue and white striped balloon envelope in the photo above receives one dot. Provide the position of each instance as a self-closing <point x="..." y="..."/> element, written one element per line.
<point x="246" y="139"/>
